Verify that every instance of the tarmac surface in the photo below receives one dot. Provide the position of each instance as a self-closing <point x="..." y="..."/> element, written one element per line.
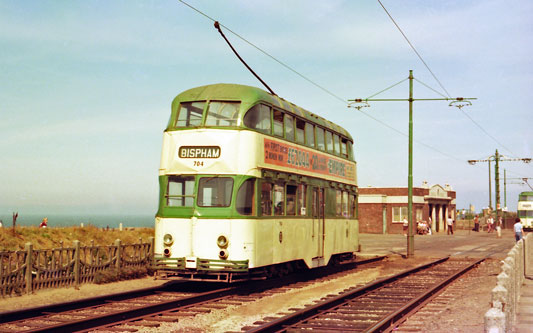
<point x="463" y="243"/>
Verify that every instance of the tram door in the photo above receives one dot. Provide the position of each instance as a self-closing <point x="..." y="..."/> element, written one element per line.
<point x="318" y="220"/>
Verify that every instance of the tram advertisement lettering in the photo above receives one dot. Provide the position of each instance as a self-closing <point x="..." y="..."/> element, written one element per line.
<point x="199" y="152"/>
<point x="282" y="154"/>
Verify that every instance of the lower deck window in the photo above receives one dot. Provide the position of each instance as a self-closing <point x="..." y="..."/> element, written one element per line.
<point x="215" y="191"/>
<point x="180" y="191"/>
<point x="245" y="198"/>
<point x="266" y="199"/>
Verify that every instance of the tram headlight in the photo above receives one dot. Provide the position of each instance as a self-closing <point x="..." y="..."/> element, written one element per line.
<point x="168" y="239"/>
<point x="222" y="241"/>
<point x="223" y="254"/>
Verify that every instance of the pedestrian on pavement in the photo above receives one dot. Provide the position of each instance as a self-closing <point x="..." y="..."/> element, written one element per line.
<point x="476" y="223"/>
<point x="449" y="223"/>
<point x="518" y="229"/>
<point x="490" y="224"/>
<point x="499" y="227"/>
<point x="405" y="226"/>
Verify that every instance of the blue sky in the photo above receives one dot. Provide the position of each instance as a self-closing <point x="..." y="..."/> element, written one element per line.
<point x="86" y="87"/>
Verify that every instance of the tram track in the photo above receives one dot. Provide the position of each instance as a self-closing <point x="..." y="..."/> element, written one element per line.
<point x="152" y="306"/>
<point x="376" y="307"/>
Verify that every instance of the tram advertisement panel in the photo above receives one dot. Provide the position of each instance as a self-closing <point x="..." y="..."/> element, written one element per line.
<point x="295" y="157"/>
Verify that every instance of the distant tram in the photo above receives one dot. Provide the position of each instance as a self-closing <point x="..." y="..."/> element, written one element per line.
<point x="252" y="186"/>
<point x="525" y="210"/>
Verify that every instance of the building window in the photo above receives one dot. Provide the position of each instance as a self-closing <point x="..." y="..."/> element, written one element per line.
<point x="418" y="215"/>
<point x="398" y="214"/>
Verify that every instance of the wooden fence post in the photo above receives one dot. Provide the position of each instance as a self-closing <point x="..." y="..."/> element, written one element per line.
<point x="151" y="250"/>
<point x="77" y="265"/>
<point x="119" y="254"/>
<point x="29" y="266"/>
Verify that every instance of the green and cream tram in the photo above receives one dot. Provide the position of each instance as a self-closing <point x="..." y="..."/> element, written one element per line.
<point x="252" y="186"/>
<point x="525" y="210"/>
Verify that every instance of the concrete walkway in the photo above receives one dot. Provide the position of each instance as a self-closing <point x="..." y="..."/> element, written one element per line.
<point x="524" y="314"/>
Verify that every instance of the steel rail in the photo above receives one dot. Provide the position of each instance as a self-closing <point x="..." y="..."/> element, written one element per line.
<point x="282" y="323"/>
<point x="153" y="309"/>
<point x="9" y="316"/>
<point x="108" y="318"/>
<point x="388" y="323"/>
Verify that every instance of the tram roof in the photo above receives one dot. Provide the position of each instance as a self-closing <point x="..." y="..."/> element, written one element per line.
<point x="250" y="96"/>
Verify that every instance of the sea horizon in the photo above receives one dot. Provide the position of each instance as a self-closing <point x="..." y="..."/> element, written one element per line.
<point x="69" y="220"/>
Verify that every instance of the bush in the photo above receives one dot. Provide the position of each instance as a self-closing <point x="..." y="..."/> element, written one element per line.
<point x="113" y="274"/>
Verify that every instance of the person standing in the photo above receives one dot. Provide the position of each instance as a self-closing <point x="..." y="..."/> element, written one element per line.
<point x="476" y="223"/>
<point x="449" y="223"/>
<point x="490" y="224"/>
<point x="518" y="229"/>
<point x="405" y="226"/>
<point x="499" y="227"/>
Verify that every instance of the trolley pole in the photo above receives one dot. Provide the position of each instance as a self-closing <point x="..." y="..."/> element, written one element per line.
<point x="360" y="103"/>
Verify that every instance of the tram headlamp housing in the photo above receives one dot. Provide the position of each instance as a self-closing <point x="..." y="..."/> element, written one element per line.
<point x="223" y="254"/>
<point x="168" y="240"/>
<point x="222" y="241"/>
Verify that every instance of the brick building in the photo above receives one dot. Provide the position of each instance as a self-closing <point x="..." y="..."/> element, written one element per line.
<point x="382" y="209"/>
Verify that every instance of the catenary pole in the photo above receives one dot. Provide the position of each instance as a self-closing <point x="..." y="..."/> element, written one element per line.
<point x="364" y="102"/>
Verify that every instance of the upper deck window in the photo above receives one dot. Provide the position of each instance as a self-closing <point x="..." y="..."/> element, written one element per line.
<point x="278" y="123"/>
<point x="344" y="152"/>
<point x="336" y="144"/>
<point x="215" y="191"/>
<point x="190" y="114"/>
<point x="310" y="135"/>
<point x="222" y="114"/>
<point x="525" y="197"/>
<point x="289" y="127"/>
<point x="329" y="141"/>
<point x="258" y="117"/>
<point x="320" y="141"/>
<point x="350" y="150"/>
<point x="300" y="131"/>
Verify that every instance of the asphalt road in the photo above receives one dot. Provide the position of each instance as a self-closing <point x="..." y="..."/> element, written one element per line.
<point x="463" y="243"/>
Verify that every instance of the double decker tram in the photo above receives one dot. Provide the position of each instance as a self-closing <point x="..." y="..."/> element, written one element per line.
<point x="525" y="210"/>
<point x="252" y="186"/>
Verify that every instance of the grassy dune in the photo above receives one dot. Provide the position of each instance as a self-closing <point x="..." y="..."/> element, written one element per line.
<point x="47" y="238"/>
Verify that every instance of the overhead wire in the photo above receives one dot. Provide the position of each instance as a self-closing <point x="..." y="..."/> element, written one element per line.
<point x="438" y="81"/>
<point x="333" y="94"/>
